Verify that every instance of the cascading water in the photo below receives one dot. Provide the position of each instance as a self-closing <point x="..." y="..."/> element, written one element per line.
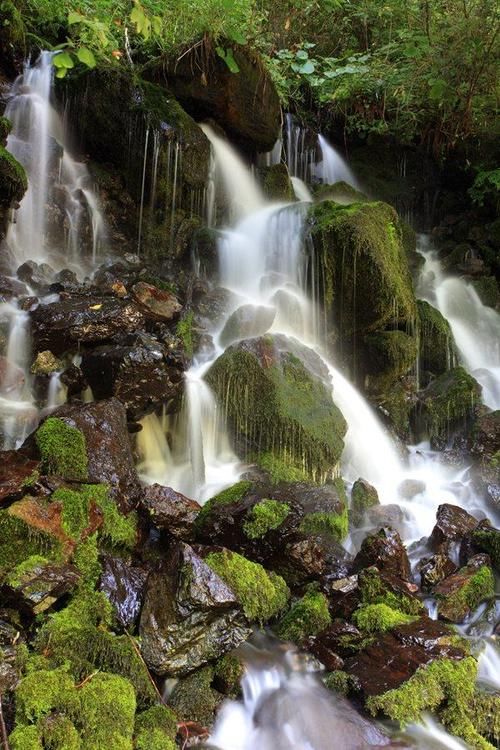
<point x="333" y="168"/>
<point x="475" y="327"/>
<point x="264" y="265"/>
<point x="39" y="141"/>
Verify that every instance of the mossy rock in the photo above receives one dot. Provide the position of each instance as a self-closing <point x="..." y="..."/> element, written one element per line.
<point x="328" y="524"/>
<point x="276" y="184"/>
<point x="5" y="128"/>
<point x="155" y="729"/>
<point x="437" y="350"/>
<point x="447" y="406"/>
<point x="363" y="267"/>
<point x="194" y="699"/>
<point x="62" y="449"/>
<point x="378" y="618"/>
<point x="261" y="594"/>
<point x="278" y="400"/>
<point x="388" y="356"/>
<point x="21" y="542"/>
<point x="383" y="588"/>
<point x="396" y="405"/>
<point x="307" y="617"/>
<point x="228" y="673"/>
<point x="13" y="179"/>
<point x="266" y="515"/>
<point x="459" y="594"/>
<point x="445" y="687"/>
<point x="487" y="290"/>
<point x="363" y="496"/>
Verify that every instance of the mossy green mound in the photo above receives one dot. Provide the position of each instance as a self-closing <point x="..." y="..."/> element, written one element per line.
<point x="13" y="180"/>
<point x="277" y="404"/>
<point x="329" y="524"/>
<point x="226" y="497"/>
<point x="307" y="617"/>
<point x="389" y="355"/>
<point x="363" y="496"/>
<point x="21" y="542"/>
<point x="444" y="686"/>
<point x="265" y="516"/>
<point x="340" y="192"/>
<point x="62" y="449"/>
<point x="155" y="729"/>
<point x="377" y="618"/>
<point x="363" y="266"/>
<point x="276" y="184"/>
<point x="455" y="604"/>
<point x="262" y="594"/>
<point x="376" y="588"/>
<point x="194" y="699"/>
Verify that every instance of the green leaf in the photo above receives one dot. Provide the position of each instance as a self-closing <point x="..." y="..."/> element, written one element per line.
<point x="231" y="62"/>
<point x="61" y="72"/>
<point x="237" y="36"/>
<point x="156" y="24"/>
<point x="63" y="60"/>
<point x="75" y="18"/>
<point x="301" y="55"/>
<point x="86" y="57"/>
<point x="307" y="68"/>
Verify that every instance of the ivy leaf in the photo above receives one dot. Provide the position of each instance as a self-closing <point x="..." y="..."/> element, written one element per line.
<point x="156" y="24"/>
<point x="307" y="68"/>
<point x="301" y="55"/>
<point x="86" y="57"/>
<point x="75" y="18"/>
<point x="61" y="72"/>
<point x="63" y="61"/>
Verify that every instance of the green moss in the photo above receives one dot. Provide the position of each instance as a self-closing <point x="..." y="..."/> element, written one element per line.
<point x="373" y="618"/>
<point x="331" y="524"/>
<point x="436" y="347"/>
<point x="13" y="180"/>
<point x="185" y="333"/>
<point x="62" y="449"/>
<point x="25" y="738"/>
<point x="5" y="128"/>
<point x="488" y="540"/>
<point x="363" y="496"/>
<point x="42" y="692"/>
<point x="117" y="529"/>
<point x="59" y="733"/>
<point x="86" y="559"/>
<point x="228" y="674"/>
<point x="340" y="192"/>
<point x="107" y="709"/>
<point x="361" y="257"/>
<point x="487" y="290"/>
<point x="155" y="729"/>
<point x="456" y="604"/>
<point x="276" y="183"/>
<point x="194" y="699"/>
<point x="389" y="356"/>
<point x="307" y="617"/>
<point x="20" y="542"/>
<point x="226" y="497"/>
<point x="444" y="686"/>
<point x="275" y="405"/>
<point x="263" y="517"/>
<point x="375" y="590"/>
<point x="485" y="710"/>
<point x="262" y="594"/>
<point x="21" y="571"/>
<point x="340" y="682"/>
<point x="281" y="471"/>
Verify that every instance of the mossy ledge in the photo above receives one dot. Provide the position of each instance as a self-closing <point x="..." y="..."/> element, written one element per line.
<point x="267" y="515"/>
<point x="373" y="618"/>
<point x="62" y="449"/>
<point x="307" y="617"/>
<point x="261" y="594"/>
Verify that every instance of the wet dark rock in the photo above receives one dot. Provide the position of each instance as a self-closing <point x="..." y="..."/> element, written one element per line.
<point x="64" y="325"/>
<point x="171" y="511"/>
<point x="341" y="639"/>
<point x="74" y="380"/>
<point x="452" y="523"/>
<point x="486" y="435"/>
<point x="16" y="472"/>
<point x="35" y="275"/>
<point x="459" y="594"/>
<point x="139" y="374"/>
<point x="45" y="364"/>
<point x="385" y="550"/>
<point x="245" y="105"/>
<point x="344" y="595"/>
<point x="211" y="307"/>
<point x="189" y="615"/>
<point x="124" y="586"/>
<point x="484" y="538"/>
<point x="39" y="587"/>
<point x="10" y="288"/>
<point x="28" y="303"/>
<point x="110" y="459"/>
<point x="409" y="646"/>
<point x="66" y="277"/>
<point x="155" y="303"/>
<point x="386" y="515"/>
<point x="246" y="322"/>
<point x="435" y="569"/>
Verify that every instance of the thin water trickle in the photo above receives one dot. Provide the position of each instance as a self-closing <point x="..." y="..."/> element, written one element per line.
<point x="333" y="168"/>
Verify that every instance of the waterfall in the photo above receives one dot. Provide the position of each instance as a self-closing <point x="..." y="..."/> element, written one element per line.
<point x="300" y="154"/>
<point x="39" y="141"/>
<point x="302" y="192"/>
<point x="333" y="168"/>
<point x="475" y="327"/>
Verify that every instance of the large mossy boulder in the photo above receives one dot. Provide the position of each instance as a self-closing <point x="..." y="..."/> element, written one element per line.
<point x="13" y="180"/>
<point x="447" y="406"/>
<point x="363" y="266"/>
<point x="245" y="103"/>
<point x="278" y="399"/>
<point x="388" y="355"/>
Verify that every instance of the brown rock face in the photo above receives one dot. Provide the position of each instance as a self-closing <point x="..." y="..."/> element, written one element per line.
<point x="385" y="550"/>
<point x="15" y="469"/>
<point x="246" y="105"/>
<point x="156" y="303"/>
<point x="170" y="510"/>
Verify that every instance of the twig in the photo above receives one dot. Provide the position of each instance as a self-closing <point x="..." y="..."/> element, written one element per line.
<point x="3" y="729"/>
<point x="155" y="686"/>
<point x="87" y="679"/>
